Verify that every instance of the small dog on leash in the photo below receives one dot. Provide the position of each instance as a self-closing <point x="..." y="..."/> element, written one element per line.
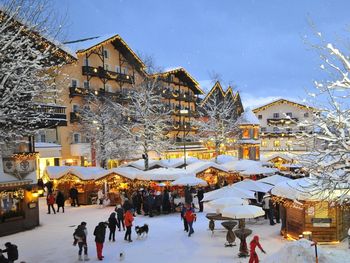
<point x="141" y="231"/>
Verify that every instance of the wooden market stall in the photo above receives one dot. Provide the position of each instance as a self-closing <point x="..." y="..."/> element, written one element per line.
<point x="82" y="178"/>
<point x="309" y="214"/>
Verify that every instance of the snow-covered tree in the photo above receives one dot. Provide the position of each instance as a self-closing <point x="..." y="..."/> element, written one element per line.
<point x="217" y="122"/>
<point x="102" y="121"/>
<point x="328" y="162"/>
<point x="149" y="119"/>
<point x="26" y="67"/>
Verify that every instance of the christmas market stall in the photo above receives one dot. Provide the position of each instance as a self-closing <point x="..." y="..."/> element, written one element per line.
<point x="212" y="173"/>
<point x="19" y="209"/>
<point x="308" y="212"/>
<point x="82" y="178"/>
<point x="118" y="180"/>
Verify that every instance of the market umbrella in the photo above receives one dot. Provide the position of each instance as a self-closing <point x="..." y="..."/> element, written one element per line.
<point x="189" y="180"/>
<point x="222" y="203"/>
<point x="242" y="212"/>
<point x="252" y="185"/>
<point x="228" y="191"/>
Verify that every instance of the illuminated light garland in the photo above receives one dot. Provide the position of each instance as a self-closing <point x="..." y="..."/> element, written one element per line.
<point x="19" y="194"/>
<point x="25" y="156"/>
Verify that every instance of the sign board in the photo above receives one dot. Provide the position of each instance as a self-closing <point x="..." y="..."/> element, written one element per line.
<point x="321" y="222"/>
<point x="32" y="205"/>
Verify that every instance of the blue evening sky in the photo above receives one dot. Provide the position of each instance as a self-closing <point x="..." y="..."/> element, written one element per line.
<point x="256" y="45"/>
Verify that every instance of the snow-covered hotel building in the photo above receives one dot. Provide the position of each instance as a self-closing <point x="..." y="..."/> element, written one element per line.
<point x="279" y="126"/>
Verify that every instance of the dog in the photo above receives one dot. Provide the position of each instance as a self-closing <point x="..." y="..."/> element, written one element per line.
<point x="141" y="231"/>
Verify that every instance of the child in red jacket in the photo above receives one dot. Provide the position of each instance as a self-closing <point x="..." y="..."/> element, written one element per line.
<point x="190" y="216"/>
<point x="253" y="244"/>
<point x="128" y="218"/>
<point x="50" y="199"/>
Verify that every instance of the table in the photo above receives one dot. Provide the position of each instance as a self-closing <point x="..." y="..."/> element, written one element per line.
<point x="230" y="236"/>
<point x="242" y="235"/>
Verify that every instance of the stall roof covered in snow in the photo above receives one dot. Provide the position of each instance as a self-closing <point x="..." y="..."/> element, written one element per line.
<point x="163" y="174"/>
<point x="274" y="179"/>
<point x="248" y="117"/>
<point x="84" y="173"/>
<point x="177" y="162"/>
<point x="127" y="172"/>
<point x="259" y="170"/>
<point x="201" y="166"/>
<point x="140" y="164"/>
<point x="47" y="145"/>
<point x="241" y="165"/>
<point x="221" y="159"/>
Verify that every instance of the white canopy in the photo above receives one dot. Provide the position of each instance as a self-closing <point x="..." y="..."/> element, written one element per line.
<point x="252" y="185"/>
<point x="259" y="170"/>
<point x="84" y="173"/>
<point x="228" y="191"/>
<point x="242" y="211"/>
<point x="163" y="174"/>
<point x="274" y="179"/>
<point x="189" y="180"/>
<point x="221" y="203"/>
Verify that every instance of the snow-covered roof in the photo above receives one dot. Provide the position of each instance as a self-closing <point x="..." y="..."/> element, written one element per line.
<point x="140" y="164"/>
<point x="221" y="159"/>
<point x="259" y="170"/>
<point x="190" y="181"/>
<point x="285" y="156"/>
<point x="128" y="172"/>
<point x="306" y="189"/>
<point x="248" y="117"/>
<point x="241" y="165"/>
<point x="88" y="42"/>
<point x="252" y="185"/>
<point x="84" y="173"/>
<point x="286" y="101"/>
<point x="201" y="166"/>
<point x="228" y="191"/>
<point x="47" y="145"/>
<point x="248" y="141"/>
<point x="274" y="179"/>
<point x="163" y="174"/>
<point x="176" y="162"/>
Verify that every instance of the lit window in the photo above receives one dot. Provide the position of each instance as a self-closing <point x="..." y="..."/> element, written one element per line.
<point x="256" y="133"/>
<point x="257" y="153"/>
<point x="276" y="115"/>
<point x="245" y="133"/>
<point x="264" y="144"/>
<point x="245" y="153"/>
<point x="276" y="143"/>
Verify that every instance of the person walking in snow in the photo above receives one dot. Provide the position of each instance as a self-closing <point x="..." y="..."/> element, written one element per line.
<point x="50" y="200"/>
<point x="120" y="217"/>
<point x="80" y="236"/>
<point x="60" y="201"/>
<point x="100" y="197"/>
<point x="128" y="219"/>
<point x="200" y="196"/>
<point x="112" y="225"/>
<point x="73" y="194"/>
<point x="100" y="235"/>
<point x="268" y="207"/>
<point x="12" y="252"/>
<point x="190" y="218"/>
<point x="183" y="212"/>
<point x="253" y="255"/>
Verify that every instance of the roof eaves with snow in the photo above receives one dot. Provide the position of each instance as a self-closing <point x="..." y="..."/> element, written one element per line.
<point x="283" y="101"/>
<point x="248" y="118"/>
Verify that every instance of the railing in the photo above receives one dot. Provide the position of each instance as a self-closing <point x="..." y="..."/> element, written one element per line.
<point x="51" y="115"/>
<point x="77" y="91"/>
<point x="282" y="121"/>
<point x="108" y="74"/>
<point x="181" y="96"/>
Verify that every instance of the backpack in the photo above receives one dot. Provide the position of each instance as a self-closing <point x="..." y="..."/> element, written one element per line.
<point x="79" y="232"/>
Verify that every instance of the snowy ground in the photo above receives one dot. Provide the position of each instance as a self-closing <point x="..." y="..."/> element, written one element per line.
<point x="167" y="242"/>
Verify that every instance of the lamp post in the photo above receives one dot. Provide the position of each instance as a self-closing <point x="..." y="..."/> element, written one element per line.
<point x="184" y="111"/>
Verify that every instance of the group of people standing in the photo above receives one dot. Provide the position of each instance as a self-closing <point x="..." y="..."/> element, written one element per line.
<point x="122" y="219"/>
<point x="55" y="197"/>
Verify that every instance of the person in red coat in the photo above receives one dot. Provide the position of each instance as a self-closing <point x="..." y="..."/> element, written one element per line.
<point x="50" y="199"/>
<point x="128" y="218"/>
<point x="253" y="255"/>
<point x="190" y="216"/>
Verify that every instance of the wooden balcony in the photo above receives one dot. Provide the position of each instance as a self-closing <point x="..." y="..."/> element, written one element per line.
<point x="77" y="91"/>
<point x="107" y="74"/>
<point x="179" y="126"/>
<point x="51" y="116"/>
<point x="180" y="96"/>
<point x="282" y="121"/>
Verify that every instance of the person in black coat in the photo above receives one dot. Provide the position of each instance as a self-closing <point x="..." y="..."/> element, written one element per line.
<point x="150" y="201"/>
<point x="12" y="252"/>
<point x="3" y="259"/>
<point x="137" y="200"/>
<point x="200" y="196"/>
<point x="73" y="194"/>
<point x="145" y="203"/>
<point x="166" y="202"/>
<point x="188" y="196"/>
<point x="127" y="205"/>
<point x="100" y="235"/>
<point x="112" y="225"/>
<point x="120" y="216"/>
<point x="60" y="201"/>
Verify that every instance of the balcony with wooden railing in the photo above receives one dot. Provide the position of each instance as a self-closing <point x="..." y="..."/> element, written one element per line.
<point x="107" y="74"/>
<point x="282" y="121"/>
<point x="51" y="115"/>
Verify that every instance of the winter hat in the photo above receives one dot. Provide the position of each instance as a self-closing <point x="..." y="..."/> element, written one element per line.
<point x="7" y="244"/>
<point x="83" y="223"/>
<point x="256" y="238"/>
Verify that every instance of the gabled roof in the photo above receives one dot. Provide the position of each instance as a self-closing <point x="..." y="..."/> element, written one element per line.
<point x="184" y="76"/>
<point x="229" y="92"/>
<point x="89" y="44"/>
<point x="248" y="118"/>
<point x="217" y="86"/>
<point x="283" y="101"/>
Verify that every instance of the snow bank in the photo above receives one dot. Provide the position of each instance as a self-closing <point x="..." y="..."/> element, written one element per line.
<point x="299" y="251"/>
